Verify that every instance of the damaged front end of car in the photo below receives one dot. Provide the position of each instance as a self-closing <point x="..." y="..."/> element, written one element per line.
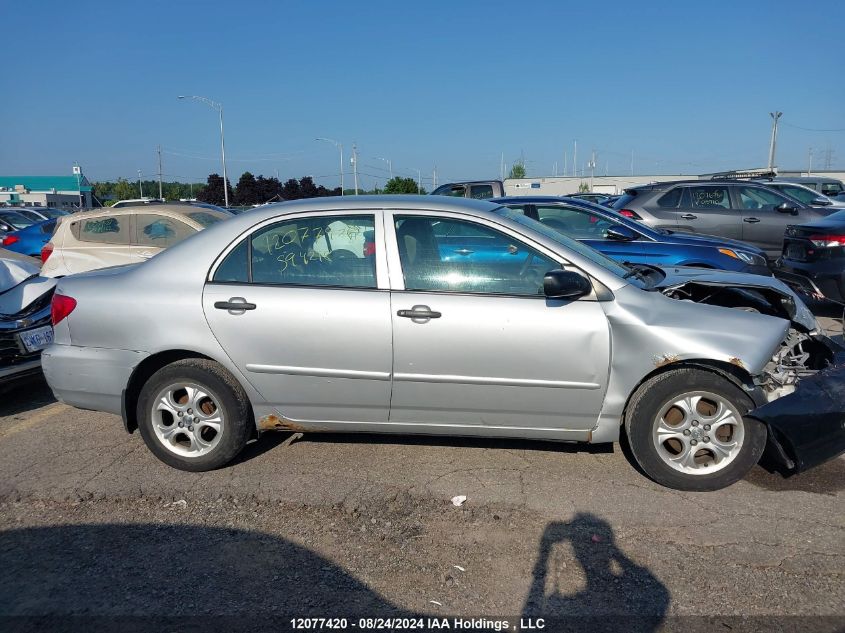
<point x="800" y="393"/>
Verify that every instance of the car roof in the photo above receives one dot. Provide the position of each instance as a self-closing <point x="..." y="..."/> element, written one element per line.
<point x="179" y="209"/>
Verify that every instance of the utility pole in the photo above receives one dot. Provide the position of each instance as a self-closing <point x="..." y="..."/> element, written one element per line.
<point x="419" y="182"/>
<point x="554" y="169"/>
<point x="775" y="116"/>
<point x="575" y="160"/>
<point x="140" y="186"/>
<point x="502" y="167"/>
<point x="592" y="166"/>
<point x="434" y="179"/>
<point x="809" y="161"/>
<point x="77" y="170"/>
<point x="632" y="162"/>
<point x="565" y="160"/>
<point x="160" y="197"/>
<point x="354" y="162"/>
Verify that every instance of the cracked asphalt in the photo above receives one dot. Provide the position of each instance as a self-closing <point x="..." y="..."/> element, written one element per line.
<point x="333" y="525"/>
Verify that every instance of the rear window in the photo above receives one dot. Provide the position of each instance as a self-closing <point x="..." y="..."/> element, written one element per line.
<point x="831" y="188"/>
<point x="624" y="200"/>
<point x="105" y="230"/>
<point x="207" y="218"/>
<point x="48" y="227"/>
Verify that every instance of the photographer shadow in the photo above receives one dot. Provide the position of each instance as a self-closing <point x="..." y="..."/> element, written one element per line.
<point x="619" y="594"/>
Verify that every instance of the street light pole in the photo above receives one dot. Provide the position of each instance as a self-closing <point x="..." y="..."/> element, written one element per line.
<point x="140" y="186"/>
<point x="219" y="108"/>
<point x="775" y="116"/>
<point x="355" y="166"/>
<point x="389" y="166"/>
<point x="338" y="145"/>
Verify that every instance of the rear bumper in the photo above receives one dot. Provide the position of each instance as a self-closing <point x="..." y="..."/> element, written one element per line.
<point x="807" y="427"/>
<point x="89" y="377"/>
<point x="820" y="280"/>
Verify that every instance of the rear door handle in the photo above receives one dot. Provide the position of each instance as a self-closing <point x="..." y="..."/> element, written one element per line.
<point x="235" y="304"/>
<point x="689" y="216"/>
<point x="419" y="312"/>
<point x="751" y="220"/>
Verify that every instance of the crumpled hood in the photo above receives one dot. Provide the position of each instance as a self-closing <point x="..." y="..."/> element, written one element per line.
<point x="14" y="272"/>
<point x="677" y="276"/>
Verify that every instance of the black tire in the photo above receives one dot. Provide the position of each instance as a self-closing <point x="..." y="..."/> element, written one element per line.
<point x="230" y="399"/>
<point x="656" y="393"/>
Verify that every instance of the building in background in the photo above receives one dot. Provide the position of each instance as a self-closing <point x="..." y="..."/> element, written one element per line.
<point x="61" y="192"/>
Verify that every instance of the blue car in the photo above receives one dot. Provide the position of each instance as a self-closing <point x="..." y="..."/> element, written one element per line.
<point x="30" y="240"/>
<point x="626" y="240"/>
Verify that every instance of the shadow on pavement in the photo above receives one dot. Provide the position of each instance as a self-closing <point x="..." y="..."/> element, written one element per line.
<point x="24" y="395"/>
<point x="827" y="479"/>
<point x="170" y="571"/>
<point x="132" y="577"/>
<point x="615" y="585"/>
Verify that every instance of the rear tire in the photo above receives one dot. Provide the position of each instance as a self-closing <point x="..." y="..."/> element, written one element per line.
<point x="193" y="415"/>
<point x="686" y="430"/>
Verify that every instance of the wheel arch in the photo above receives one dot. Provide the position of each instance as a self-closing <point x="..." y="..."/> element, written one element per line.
<point x="142" y="373"/>
<point x="735" y="373"/>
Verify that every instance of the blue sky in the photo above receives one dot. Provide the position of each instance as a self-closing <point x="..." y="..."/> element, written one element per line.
<point x="686" y="86"/>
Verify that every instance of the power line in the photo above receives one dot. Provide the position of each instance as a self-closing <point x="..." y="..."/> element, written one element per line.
<point x="811" y="129"/>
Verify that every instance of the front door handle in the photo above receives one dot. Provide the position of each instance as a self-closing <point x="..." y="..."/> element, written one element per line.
<point x="235" y="304"/>
<point x="751" y="220"/>
<point x="689" y="216"/>
<point x="419" y="312"/>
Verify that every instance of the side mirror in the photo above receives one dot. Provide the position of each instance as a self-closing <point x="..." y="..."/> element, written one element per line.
<point x="820" y="202"/>
<point x="565" y="284"/>
<point x="620" y="233"/>
<point x="785" y="207"/>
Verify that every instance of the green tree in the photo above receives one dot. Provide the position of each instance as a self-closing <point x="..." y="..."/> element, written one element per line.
<point x="517" y="170"/>
<point x="213" y="191"/>
<point x="246" y="191"/>
<point x="124" y="190"/>
<point x="402" y="185"/>
<point x="583" y="187"/>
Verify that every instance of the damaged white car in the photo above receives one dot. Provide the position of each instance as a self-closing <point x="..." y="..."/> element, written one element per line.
<point x="25" y="327"/>
<point x="454" y="317"/>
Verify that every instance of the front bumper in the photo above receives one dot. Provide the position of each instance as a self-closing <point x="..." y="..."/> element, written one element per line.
<point x="807" y="427"/>
<point x="89" y="377"/>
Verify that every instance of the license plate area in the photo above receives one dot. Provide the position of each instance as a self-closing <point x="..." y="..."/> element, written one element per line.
<point x="37" y="339"/>
<point x="796" y="251"/>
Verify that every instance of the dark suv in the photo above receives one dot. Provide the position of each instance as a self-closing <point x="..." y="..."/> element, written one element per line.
<point x="739" y="210"/>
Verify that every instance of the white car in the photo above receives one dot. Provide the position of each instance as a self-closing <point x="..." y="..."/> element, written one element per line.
<point x="113" y="237"/>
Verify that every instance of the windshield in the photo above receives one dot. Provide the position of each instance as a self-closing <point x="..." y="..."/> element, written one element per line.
<point x="53" y="213"/>
<point x="207" y="218"/>
<point x="585" y="251"/>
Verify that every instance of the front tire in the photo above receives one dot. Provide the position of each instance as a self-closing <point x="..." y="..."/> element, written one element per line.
<point x="193" y="415"/>
<point x="686" y="430"/>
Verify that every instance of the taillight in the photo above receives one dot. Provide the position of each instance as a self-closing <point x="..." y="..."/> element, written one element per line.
<point x="828" y="241"/>
<point x="60" y="307"/>
<point x="46" y="251"/>
<point x="630" y="214"/>
<point x="369" y="249"/>
<point x="10" y="239"/>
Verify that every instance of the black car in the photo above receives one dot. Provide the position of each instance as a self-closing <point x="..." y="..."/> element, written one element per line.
<point x="813" y="258"/>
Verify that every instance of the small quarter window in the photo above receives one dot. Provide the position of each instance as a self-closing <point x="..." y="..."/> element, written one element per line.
<point x="671" y="199"/>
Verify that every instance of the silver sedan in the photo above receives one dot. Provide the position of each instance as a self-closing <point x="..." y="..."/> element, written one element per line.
<point x="437" y="316"/>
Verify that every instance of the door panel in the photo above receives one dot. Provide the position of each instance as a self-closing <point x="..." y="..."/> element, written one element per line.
<point x="499" y="362"/>
<point x="315" y="354"/>
<point x="490" y="353"/>
<point x="762" y="225"/>
<point x="707" y="209"/>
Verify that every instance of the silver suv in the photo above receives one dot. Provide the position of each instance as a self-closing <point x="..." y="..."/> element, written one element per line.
<point x="739" y="210"/>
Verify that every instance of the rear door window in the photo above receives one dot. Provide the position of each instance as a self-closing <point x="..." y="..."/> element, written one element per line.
<point x="758" y="198"/>
<point x="103" y="230"/>
<point x="160" y="231"/>
<point x="704" y="198"/>
<point x="831" y="188"/>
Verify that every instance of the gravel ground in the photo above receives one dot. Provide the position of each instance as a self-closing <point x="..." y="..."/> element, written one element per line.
<point x="337" y="525"/>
